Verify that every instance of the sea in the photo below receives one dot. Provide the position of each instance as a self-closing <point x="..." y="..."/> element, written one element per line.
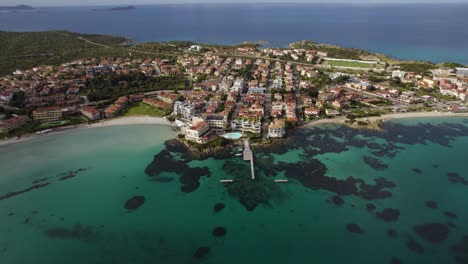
<point x="131" y="194"/>
<point x="426" y="32"/>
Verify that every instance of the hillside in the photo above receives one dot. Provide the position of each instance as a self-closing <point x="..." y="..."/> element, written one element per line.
<point x="18" y="7"/>
<point x="23" y="50"/>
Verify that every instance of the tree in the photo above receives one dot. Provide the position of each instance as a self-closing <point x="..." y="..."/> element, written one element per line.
<point x="17" y="99"/>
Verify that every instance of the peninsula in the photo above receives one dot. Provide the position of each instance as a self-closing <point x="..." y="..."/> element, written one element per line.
<point x="124" y="8"/>
<point x="16" y="8"/>
<point x="210" y="90"/>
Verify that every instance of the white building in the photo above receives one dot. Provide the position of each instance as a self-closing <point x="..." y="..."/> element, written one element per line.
<point x="216" y="121"/>
<point x="462" y="71"/>
<point x="6" y="96"/>
<point x="195" y="47"/>
<point x="256" y="90"/>
<point x="398" y="74"/>
<point x="243" y="125"/>
<point x="277" y="84"/>
<point x="277" y="129"/>
<point x="238" y="85"/>
<point x="185" y="109"/>
<point x="197" y="132"/>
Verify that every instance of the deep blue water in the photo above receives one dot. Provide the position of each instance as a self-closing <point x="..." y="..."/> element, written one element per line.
<point x="418" y="32"/>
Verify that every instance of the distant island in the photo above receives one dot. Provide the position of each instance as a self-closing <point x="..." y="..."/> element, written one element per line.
<point x="15" y="8"/>
<point x="122" y="8"/>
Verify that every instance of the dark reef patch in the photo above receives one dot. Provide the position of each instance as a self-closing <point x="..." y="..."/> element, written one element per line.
<point x="165" y="162"/>
<point x="219" y="231"/>
<point x="312" y="175"/>
<point x="451" y="225"/>
<point x="460" y="249"/>
<point x="218" y="207"/>
<point x="375" y="163"/>
<point x="450" y="214"/>
<point x="190" y="178"/>
<point x="454" y="177"/>
<point x="415" y="246"/>
<point x="433" y="232"/>
<point x="201" y="252"/>
<point x="40" y="180"/>
<point x="373" y="192"/>
<point x="370" y="207"/>
<point x="253" y="193"/>
<point x="134" y="202"/>
<point x="388" y="215"/>
<point x="416" y="170"/>
<point x="337" y="200"/>
<point x="69" y="174"/>
<point x="78" y="231"/>
<point x="392" y="232"/>
<point x="12" y="194"/>
<point x="431" y="204"/>
<point x="396" y="261"/>
<point x="354" y="228"/>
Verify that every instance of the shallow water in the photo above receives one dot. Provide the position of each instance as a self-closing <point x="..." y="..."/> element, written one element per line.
<point x="82" y="219"/>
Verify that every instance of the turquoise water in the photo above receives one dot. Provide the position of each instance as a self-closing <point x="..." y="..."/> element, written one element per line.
<point x="82" y="219"/>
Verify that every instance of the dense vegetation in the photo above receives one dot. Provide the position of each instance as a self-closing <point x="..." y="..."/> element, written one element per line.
<point x="215" y="143"/>
<point x="164" y="47"/>
<point x="112" y="86"/>
<point x="451" y="65"/>
<point x="418" y="67"/>
<point x="335" y="51"/>
<point x="24" y="50"/>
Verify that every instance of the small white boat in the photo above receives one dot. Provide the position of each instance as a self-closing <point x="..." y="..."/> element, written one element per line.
<point x="281" y="181"/>
<point x="226" y="181"/>
<point x="239" y="154"/>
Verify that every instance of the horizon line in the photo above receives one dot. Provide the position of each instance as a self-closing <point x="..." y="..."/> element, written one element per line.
<point x="250" y="3"/>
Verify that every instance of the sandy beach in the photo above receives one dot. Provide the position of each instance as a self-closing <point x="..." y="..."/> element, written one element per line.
<point x="132" y="120"/>
<point x="122" y="121"/>
<point x="387" y="117"/>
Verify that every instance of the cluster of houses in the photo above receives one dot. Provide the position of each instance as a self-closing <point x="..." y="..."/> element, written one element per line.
<point x="451" y="82"/>
<point x="296" y="54"/>
<point x="62" y="85"/>
<point x="229" y="93"/>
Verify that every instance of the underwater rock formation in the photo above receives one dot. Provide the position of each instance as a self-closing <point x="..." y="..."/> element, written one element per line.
<point x="433" y="232"/>
<point x="134" y="202"/>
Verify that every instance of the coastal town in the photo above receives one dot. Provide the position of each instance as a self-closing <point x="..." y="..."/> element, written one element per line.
<point x="207" y="93"/>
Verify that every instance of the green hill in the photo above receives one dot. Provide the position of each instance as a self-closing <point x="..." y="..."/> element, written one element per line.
<point x="23" y="50"/>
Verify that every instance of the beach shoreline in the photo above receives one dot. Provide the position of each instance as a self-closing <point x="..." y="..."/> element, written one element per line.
<point x="385" y="118"/>
<point x="120" y="121"/>
<point x="161" y="121"/>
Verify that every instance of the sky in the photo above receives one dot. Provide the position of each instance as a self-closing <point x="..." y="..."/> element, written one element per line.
<point x="141" y="2"/>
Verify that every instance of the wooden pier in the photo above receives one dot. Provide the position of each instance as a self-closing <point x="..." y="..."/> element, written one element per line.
<point x="248" y="155"/>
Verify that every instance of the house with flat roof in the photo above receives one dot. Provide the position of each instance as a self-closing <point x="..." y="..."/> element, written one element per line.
<point x="51" y="113"/>
<point x="277" y="129"/>
<point x="13" y="123"/>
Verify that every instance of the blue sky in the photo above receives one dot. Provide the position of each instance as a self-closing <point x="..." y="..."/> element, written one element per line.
<point x="136" y="2"/>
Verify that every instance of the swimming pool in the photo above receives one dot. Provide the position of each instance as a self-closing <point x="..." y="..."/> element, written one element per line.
<point x="234" y="135"/>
